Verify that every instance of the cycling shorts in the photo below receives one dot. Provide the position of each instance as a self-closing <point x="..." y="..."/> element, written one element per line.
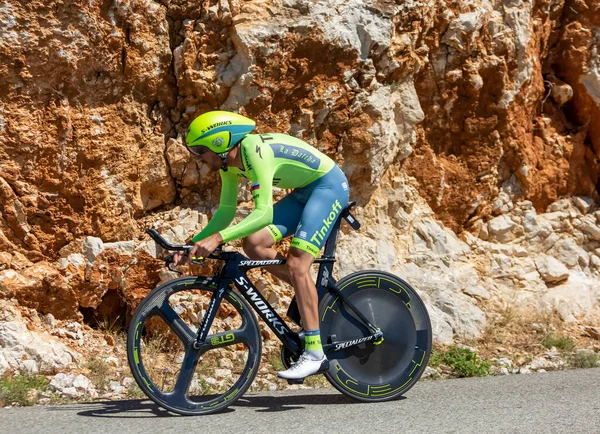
<point x="310" y="212"/>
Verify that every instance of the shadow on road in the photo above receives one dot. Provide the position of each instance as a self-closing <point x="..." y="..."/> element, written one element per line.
<point x="136" y="408"/>
<point x="285" y="403"/>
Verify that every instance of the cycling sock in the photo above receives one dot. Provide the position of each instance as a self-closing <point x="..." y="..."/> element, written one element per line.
<point x="312" y="344"/>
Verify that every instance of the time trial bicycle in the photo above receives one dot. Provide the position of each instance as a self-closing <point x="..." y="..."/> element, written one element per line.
<point x="189" y="332"/>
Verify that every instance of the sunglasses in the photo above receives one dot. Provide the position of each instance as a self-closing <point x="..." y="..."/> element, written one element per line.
<point x="198" y="150"/>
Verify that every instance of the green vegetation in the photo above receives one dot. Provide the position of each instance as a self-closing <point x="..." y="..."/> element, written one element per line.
<point x="464" y="362"/>
<point x="21" y="389"/>
<point x="563" y="343"/>
<point x="585" y="359"/>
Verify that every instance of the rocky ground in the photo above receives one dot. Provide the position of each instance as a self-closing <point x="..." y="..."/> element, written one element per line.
<point x="73" y="361"/>
<point x="467" y="129"/>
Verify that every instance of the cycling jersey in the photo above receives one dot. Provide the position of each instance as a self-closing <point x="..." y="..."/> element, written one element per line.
<point x="286" y="162"/>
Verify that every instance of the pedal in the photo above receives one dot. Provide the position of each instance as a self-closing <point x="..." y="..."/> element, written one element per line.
<point x="297" y="381"/>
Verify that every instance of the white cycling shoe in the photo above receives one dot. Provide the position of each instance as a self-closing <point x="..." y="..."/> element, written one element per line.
<point x="304" y="367"/>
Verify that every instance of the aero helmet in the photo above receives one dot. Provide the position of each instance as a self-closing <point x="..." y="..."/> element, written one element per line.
<point x="218" y="131"/>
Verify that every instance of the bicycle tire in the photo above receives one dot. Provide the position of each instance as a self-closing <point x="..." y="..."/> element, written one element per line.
<point x="148" y="349"/>
<point x="376" y="371"/>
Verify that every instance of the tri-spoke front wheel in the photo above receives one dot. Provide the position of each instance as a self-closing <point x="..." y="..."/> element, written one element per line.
<point x="162" y="357"/>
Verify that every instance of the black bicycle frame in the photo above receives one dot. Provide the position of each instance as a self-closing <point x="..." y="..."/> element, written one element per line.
<point x="235" y="271"/>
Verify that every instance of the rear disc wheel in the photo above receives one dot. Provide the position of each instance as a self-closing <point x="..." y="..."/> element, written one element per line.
<point x="385" y="369"/>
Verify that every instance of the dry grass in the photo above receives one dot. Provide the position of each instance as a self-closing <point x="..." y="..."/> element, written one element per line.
<point x="522" y="335"/>
<point x="99" y="372"/>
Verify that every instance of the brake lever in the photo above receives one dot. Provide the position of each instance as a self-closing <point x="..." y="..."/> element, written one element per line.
<point x="169" y="264"/>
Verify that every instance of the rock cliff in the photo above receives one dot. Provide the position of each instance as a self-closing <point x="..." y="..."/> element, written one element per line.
<point x="468" y="131"/>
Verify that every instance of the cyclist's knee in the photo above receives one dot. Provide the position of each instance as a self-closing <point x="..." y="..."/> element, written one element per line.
<point x="255" y="246"/>
<point x="250" y="248"/>
<point x="299" y="264"/>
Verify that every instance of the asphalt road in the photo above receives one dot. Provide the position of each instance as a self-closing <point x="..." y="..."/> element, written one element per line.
<point x="552" y="402"/>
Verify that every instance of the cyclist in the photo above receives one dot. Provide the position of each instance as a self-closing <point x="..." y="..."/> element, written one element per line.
<point x="222" y="141"/>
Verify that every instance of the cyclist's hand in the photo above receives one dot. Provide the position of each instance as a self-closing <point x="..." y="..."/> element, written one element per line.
<point x="205" y="247"/>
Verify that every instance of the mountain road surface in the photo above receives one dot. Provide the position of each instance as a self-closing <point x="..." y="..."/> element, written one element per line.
<point x="551" y="402"/>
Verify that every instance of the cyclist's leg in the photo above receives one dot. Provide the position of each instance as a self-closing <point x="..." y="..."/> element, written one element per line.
<point x="259" y="246"/>
<point x="318" y="217"/>
<point x="298" y="268"/>
<point x="328" y="197"/>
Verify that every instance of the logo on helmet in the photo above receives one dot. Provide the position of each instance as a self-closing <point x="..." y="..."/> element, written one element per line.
<point x="218" y="142"/>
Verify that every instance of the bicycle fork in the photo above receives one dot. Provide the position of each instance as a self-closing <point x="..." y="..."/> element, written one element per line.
<point x="209" y="316"/>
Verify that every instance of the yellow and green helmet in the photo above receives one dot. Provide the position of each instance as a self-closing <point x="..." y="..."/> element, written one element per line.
<point x="218" y="131"/>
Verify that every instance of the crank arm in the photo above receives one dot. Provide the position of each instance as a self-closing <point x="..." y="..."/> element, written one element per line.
<point x="376" y="338"/>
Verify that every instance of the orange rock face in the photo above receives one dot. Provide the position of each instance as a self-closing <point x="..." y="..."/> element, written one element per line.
<point x="489" y="117"/>
<point x="482" y="105"/>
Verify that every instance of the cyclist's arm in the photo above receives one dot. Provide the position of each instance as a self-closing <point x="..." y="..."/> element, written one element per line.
<point x="227" y="206"/>
<point x="261" y="176"/>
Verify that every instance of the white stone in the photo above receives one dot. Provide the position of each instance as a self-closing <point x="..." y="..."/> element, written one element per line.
<point x="539" y="363"/>
<point x="477" y="292"/>
<point x="559" y="205"/>
<point x="92" y="247"/>
<point x="503" y="361"/>
<point x="569" y="252"/>
<point x="70" y="392"/>
<point x="590" y="227"/>
<point x="393" y="131"/>
<point x="18" y="343"/>
<point x="529" y="221"/>
<point x="573" y="300"/>
<point x="441" y="329"/>
<point x="210" y="381"/>
<point x="225" y="363"/>
<point x="75" y="259"/>
<point x="430" y="372"/>
<point x="122" y="247"/>
<point x="150" y="247"/>
<point x="463" y="29"/>
<point x="127" y="382"/>
<point x="430" y="237"/>
<point x="73" y="326"/>
<point x="551" y="269"/>
<point x="503" y="229"/>
<point x="561" y="93"/>
<point x="222" y="373"/>
<point x="50" y="321"/>
<point x="112" y="361"/>
<point x="584" y="204"/>
<point x="467" y="320"/>
<point x="81" y="382"/>
<point x="115" y="387"/>
<point x="29" y="367"/>
<point x="591" y="79"/>
<point x="61" y="381"/>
